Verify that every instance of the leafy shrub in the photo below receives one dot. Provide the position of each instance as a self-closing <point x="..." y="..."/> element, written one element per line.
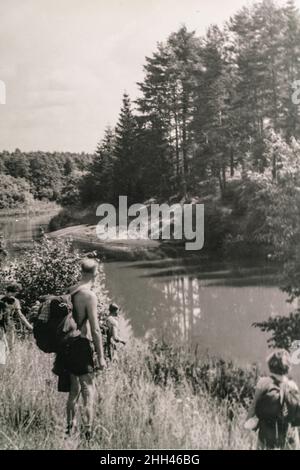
<point x="50" y="267"/>
<point x="63" y="219"/>
<point x="221" y="379"/>
<point x="284" y="330"/>
<point x="217" y="225"/>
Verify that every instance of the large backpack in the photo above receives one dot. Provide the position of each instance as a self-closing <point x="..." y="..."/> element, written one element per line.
<point x="279" y="402"/>
<point x="54" y="323"/>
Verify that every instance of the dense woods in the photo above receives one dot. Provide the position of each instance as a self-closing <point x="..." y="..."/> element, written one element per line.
<point x="215" y="120"/>
<point x="26" y="177"/>
<point x="209" y="108"/>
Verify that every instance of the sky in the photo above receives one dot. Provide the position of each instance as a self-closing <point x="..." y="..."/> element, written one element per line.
<point x="67" y="63"/>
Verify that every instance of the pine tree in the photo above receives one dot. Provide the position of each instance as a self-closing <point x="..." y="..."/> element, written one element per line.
<point x="168" y="97"/>
<point x="259" y="53"/>
<point x="291" y="68"/>
<point x="207" y="107"/>
<point x="102" y="168"/>
<point x="127" y="164"/>
<point x="212" y="119"/>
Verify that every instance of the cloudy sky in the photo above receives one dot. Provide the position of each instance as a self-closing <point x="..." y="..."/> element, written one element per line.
<point x="66" y="63"/>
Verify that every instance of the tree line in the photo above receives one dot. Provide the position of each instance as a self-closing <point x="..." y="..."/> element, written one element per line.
<point x="209" y="110"/>
<point x="30" y="176"/>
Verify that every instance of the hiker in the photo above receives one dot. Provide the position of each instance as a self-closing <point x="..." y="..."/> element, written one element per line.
<point x="113" y="330"/>
<point x="78" y="358"/>
<point x="272" y="411"/>
<point x="12" y="307"/>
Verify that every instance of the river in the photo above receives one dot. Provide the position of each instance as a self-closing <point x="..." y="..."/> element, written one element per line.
<point x="208" y="306"/>
<point x="20" y="229"/>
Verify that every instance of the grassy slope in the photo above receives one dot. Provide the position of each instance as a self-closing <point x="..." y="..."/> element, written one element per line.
<point x="131" y="411"/>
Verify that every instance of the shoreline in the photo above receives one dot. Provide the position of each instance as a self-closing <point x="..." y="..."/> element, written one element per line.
<point x="30" y="210"/>
<point x="84" y="237"/>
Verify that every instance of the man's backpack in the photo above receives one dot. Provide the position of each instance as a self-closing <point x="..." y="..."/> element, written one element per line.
<point x="54" y="323"/>
<point x="292" y="400"/>
<point x="279" y="402"/>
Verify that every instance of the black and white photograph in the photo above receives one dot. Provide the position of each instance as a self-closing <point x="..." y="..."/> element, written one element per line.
<point x="149" y="228"/>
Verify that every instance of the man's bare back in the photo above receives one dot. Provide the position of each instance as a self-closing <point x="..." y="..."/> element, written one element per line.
<point x="82" y="298"/>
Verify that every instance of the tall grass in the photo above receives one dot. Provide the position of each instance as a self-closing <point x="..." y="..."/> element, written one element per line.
<point x="134" y="408"/>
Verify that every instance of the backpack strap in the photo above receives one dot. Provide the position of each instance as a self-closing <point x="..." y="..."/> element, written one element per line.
<point x="280" y="385"/>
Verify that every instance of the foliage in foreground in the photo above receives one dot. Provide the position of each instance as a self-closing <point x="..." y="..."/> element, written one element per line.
<point x="221" y="379"/>
<point x="285" y="330"/>
<point x="50" y="267"/>
<point x="132" y="410"/>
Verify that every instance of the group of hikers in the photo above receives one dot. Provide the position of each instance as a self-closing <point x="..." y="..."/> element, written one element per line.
<point x="69" y="326"/>
<point x="81" y="353"/>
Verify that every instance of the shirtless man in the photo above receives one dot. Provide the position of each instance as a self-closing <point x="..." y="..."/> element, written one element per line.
<point x="85" y="314"/>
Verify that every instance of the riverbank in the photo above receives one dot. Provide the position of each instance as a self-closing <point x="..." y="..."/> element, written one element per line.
<point x="145" y="400"/>
<point x="154" y="396"/>
<point x="80" y="223"/>
<point x="85" y="238"/>
<point x="226" y="236"/>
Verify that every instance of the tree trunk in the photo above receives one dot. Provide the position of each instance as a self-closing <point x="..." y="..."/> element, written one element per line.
<point x="231" y="162"/>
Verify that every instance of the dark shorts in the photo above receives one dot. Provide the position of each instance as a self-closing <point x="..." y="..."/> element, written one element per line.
<point x="77" y="357"/>
<point x="272" y="435"/>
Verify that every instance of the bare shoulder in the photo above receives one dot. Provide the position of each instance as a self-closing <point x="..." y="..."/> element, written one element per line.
<point x="87" y="295"/>
<point x="72" y="289"/>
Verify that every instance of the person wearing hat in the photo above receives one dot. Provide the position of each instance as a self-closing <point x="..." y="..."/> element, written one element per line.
<point x="113" y="330"/>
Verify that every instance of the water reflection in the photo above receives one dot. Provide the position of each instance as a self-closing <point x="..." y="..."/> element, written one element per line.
<point x="185" y="301"/>
<point x="213" y="309"/>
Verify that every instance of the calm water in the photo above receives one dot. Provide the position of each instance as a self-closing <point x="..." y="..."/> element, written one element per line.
<point x="211" y="307"/>
<point x="20" y="229"/>
<point x="207" y="305"/>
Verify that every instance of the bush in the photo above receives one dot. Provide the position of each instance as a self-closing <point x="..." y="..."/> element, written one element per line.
<point x="284" y="330"/>
<point x="63" y="219"/>
<point x="222" y="380"/>
<point x="131" y="411"/>
<point x="49" y="268"/>
<point x="217" y="225"/>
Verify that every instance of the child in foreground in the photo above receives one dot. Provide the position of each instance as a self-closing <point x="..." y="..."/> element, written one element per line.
<point x="276" y="397"/>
